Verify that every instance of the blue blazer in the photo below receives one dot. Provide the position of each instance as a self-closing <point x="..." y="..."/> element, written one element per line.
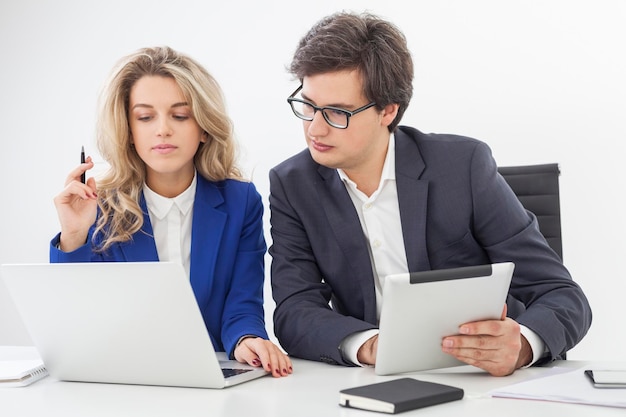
<point x="455" y="210"/>
<point x="227" y="258"/>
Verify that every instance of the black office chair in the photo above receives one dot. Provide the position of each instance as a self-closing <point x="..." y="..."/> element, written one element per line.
<point x="537" y="188"/>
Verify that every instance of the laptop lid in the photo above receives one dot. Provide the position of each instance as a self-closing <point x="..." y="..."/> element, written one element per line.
<point x="119" y="322"/>
<point x="419" y="309"/>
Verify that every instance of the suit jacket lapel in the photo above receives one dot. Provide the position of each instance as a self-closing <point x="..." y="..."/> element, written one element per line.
<point x="345" y="224"/>
<point x="206" y="233"/>
<point x="412" y="199"/>
<point x="141" y="248"/>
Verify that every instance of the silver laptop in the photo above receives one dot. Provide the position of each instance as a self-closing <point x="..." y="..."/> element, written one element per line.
<point x="120" y="322"/>
<point x="420" y="309"/>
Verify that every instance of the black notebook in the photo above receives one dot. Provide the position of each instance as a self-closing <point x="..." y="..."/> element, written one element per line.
<point x="398" y="395"/>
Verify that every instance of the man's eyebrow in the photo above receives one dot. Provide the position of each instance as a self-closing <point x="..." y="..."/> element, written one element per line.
<point x="338" y="105"/>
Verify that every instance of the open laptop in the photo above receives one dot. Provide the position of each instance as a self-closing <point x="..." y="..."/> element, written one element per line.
<point x="120" y="322"/>
<point x="419" y="309"/>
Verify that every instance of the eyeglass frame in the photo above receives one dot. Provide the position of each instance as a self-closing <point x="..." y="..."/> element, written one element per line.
<point x="348" y="113"/>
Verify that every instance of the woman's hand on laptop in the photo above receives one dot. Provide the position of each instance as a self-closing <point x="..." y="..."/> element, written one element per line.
<point x="257" y="351"/>
<point x="496" y="346"/>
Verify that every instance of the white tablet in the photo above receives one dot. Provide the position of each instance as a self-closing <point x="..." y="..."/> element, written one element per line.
<point x="419" y="309"/>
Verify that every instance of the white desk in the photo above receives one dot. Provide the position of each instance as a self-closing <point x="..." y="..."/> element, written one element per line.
<point x="312" y="390"/>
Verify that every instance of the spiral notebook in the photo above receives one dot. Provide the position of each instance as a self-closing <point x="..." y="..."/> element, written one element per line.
<point x="20" y="373"/>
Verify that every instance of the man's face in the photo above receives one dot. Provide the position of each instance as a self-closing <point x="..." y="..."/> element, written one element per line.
<point x="360" y="148"/>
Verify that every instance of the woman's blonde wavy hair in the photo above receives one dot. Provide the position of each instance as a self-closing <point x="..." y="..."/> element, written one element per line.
<point x="121" y="185"/>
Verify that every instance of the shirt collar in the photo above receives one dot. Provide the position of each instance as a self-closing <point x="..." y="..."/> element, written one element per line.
<point x="159" y="206"/>
<point x="389" y="166"/>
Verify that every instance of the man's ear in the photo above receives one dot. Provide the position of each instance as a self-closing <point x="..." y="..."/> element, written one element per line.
<point x="389" y="113"/>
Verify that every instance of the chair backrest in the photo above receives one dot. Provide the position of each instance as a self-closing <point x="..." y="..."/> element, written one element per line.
<point x="537" y="188"/>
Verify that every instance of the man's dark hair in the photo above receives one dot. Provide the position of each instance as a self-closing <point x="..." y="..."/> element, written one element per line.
<point x="363" y="42"/>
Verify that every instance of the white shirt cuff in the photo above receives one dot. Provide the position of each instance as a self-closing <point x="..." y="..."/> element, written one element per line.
<point x="350" y="345"/>
<point x="536" y="344"/>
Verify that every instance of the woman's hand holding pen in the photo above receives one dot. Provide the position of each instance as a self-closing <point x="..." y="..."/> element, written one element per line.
<point x="76" y="207"/>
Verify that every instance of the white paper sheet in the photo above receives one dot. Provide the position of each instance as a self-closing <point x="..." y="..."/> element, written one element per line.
<point x="564" y="385"/>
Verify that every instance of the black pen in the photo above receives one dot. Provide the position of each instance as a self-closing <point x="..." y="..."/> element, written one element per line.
<point x="82" y="161"/>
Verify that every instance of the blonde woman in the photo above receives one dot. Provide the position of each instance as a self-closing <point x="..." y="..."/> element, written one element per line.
<point x="173" y="193"/>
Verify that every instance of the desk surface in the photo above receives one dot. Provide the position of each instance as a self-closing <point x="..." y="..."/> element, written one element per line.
<point x="312" y="390"/>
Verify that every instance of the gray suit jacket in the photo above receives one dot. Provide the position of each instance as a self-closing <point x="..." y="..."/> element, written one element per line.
<point x="455" y="210"/>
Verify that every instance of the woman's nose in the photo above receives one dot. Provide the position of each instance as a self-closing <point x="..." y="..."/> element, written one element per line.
<point x="164" y="128"/>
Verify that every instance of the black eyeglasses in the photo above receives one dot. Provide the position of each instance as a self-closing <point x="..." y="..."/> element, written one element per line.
<point x="334" y="116"/>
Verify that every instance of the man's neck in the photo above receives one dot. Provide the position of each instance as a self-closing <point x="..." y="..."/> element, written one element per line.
<point x="366" y="182"/>
<point x="367" y="176"/>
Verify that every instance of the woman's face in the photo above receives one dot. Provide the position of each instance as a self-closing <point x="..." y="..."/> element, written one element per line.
<point x="165" y="134"/>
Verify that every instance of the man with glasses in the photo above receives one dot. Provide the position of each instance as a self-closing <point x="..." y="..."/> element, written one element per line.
<point x="369" y="198"/>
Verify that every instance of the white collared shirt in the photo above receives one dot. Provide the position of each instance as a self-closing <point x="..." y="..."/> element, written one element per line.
<point x="380" y="219"/>
<point x="171" y="223"/>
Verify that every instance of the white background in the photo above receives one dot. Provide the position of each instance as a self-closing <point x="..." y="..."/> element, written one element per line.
<point x="539" y="80"/>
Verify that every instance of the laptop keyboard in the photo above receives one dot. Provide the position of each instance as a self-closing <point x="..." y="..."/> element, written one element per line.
<point x="228" y="372"/>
